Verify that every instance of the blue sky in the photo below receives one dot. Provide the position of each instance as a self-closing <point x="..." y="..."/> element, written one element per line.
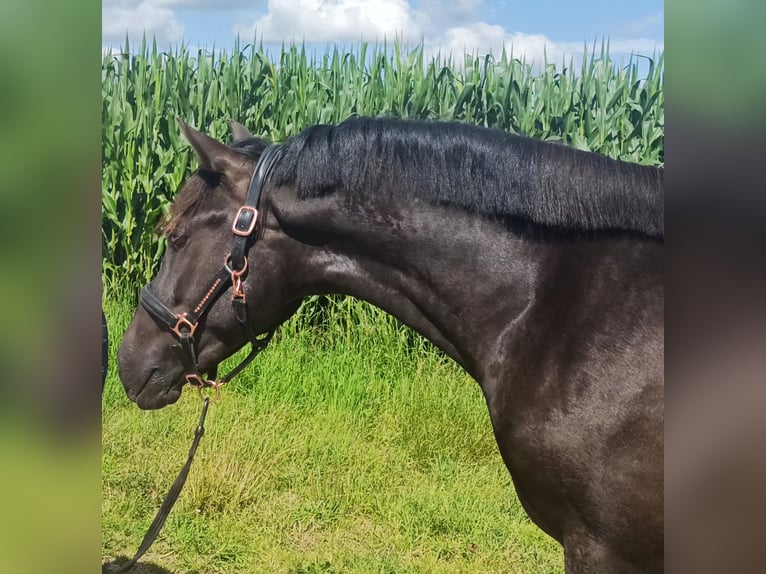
<point x="559" y="26"/>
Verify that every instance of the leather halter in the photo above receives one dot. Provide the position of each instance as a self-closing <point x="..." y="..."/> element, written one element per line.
<point x="184" y="325"/>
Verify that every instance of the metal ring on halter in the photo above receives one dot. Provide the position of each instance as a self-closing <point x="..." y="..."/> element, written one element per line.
<point x="196" y="380"/>
<point x="231" y="270"/>
<point x="236" y="278"/>
<point x="201" y="385"/>
<point x="182" y="320"/>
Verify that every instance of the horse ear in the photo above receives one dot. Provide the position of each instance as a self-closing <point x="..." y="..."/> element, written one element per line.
<point x="238" y="131"/>
<point x="212" y="155"/>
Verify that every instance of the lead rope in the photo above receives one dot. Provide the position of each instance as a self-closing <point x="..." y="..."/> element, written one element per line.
<point x="171" y="497"/>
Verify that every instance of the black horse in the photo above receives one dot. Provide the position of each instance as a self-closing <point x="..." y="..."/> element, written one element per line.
<point x="537" y="267"/>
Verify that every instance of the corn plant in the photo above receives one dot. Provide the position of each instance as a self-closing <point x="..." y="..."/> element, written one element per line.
<point x="600" y="106"/>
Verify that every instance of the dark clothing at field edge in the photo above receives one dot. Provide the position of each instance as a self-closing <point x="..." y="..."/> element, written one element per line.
<point x="104" y="349"/>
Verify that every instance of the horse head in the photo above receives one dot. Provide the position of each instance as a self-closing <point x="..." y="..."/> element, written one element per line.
<point x="220" y="283"/>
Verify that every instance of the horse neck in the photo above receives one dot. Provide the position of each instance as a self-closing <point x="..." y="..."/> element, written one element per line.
<point x="458" y="279"/>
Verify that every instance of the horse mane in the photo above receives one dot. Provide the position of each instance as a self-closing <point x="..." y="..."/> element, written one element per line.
<point x="489" y="172"/>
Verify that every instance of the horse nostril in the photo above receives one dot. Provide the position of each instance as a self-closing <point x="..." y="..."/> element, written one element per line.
<point x="135" y="384"/>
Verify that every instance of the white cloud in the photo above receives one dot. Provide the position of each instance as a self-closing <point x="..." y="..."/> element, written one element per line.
<point x="447" y="12"/>
<point x="218" y="5"/>
<point x="193" y="4"/>
<point x="480" y="38"/>
<point x="119" y="17"/>
<point x="334" y="21"/>
<point x="448" y="27"/>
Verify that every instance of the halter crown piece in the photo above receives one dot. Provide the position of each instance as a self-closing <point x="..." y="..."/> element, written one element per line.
<point x="183" y="325"/>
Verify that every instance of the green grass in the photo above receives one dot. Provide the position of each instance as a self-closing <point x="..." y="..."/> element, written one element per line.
<point x="336" y="452"/>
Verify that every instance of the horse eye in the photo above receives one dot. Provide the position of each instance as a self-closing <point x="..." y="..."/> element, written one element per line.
<point x="177" y="240"/>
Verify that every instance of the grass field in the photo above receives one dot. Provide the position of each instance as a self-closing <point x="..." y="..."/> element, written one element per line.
<point x="334" y="453"/>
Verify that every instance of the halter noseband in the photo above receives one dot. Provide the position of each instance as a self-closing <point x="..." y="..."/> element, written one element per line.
<point x="183" y="326"/>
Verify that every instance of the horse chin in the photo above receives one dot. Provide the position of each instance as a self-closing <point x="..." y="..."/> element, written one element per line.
<point x="157" y="393"/>
<point x="152" y="401"/>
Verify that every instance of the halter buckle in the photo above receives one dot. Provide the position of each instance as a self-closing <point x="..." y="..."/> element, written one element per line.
<point x="244" y="221"/>
<point x="182" y="320"/>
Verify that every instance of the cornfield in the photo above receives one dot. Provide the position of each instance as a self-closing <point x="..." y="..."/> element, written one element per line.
<point x="595" y="105"/>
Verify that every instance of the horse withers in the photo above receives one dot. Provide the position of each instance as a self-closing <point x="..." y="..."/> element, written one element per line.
<point x="537" y="267"/>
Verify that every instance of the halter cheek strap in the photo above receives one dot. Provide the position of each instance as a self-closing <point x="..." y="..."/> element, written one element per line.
<point x="184" y="325"/>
